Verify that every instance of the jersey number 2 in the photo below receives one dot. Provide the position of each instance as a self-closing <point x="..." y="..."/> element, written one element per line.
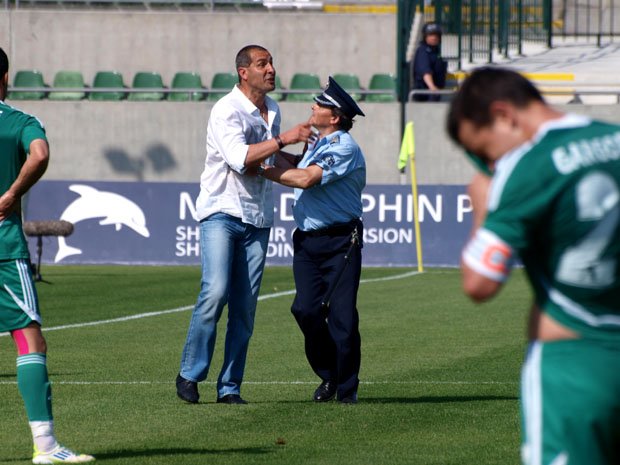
<point x="597" y="199"/>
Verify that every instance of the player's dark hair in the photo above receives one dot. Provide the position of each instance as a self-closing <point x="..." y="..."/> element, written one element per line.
<point x="344" y="123"/>
<point x="483" y="87"/>
<point x="4" y="63"/>
<point x="244" y="56"/>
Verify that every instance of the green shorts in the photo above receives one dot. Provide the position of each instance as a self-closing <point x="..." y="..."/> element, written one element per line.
<point x="570" y="403"/>
<point x="19" y="305"/>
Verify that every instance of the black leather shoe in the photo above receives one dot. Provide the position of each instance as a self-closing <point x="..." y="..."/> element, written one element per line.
<point x="325" y="392"/>
<point x="187" y="390"/>
<point x="231" y="399"/>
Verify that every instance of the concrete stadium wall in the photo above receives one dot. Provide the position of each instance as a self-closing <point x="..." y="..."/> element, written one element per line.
<point x="205" y="42"/>
<point x="165" y="141"/>
<point x="5" y="33"/>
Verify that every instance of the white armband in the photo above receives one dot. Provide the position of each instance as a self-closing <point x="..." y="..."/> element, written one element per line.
<point x="489" y="256"/>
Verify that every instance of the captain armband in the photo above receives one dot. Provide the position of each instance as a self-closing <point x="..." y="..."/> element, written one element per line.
<point x="489" y="256"/>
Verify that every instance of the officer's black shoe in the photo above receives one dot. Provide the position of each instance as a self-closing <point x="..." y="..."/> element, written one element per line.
<point x="231" y="399"/>
<point x="325" y="392"/>
<point x="187" y="390"/>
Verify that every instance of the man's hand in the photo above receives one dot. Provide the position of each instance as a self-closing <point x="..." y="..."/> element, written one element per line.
<point x="8" y="204"/>
<point x="300" y="133"/>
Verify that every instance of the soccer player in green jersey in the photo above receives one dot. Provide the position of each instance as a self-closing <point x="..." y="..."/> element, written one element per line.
<point x="551" y="197"/>
<point x="24" y="156"/>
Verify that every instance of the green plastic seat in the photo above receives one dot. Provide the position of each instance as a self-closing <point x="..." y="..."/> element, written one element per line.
<point x="275" y="95"/>
<point x="350" y="83"/>
<point x="222" y="83"/>
<point x="183" y="80"/>
<point x="28" y="78"/>
<point x="146" y="80"/>
<point x="109" y="80"/>
<point x="68" y="79"/>
<point x="382" y="82"/>
<point x="308" y="82"/>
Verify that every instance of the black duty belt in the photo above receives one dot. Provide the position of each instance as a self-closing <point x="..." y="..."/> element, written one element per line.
<point x="340" y="229"/>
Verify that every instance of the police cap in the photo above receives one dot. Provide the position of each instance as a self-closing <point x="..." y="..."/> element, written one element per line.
<point x="431" y="28"/>
<point x="336" y="96"/>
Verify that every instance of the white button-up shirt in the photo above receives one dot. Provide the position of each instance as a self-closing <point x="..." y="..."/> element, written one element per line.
<point x="234" y="124"/>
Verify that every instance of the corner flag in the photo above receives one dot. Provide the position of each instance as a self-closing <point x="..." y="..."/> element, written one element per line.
<point x="407" y="152"/>
<point x="407" y="147"/>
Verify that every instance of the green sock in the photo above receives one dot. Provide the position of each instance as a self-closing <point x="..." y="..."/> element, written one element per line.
<point x="34" y="386"/>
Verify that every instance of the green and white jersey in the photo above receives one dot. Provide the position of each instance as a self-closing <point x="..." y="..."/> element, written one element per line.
<point x="556" y="202"/>
<point x="17" y="131"/>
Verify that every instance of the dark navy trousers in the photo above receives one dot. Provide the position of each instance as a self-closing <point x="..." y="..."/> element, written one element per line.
<point x="332" y="338"/>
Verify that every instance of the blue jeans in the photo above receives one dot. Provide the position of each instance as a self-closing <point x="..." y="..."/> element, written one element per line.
<point x="233" y="257"/>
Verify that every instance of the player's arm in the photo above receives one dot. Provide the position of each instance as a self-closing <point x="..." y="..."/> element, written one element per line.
<point x="31" y="172"/>
<point x="302" y="178"/>
<point x="485" y="265"/>
<point x="478" y="191"/>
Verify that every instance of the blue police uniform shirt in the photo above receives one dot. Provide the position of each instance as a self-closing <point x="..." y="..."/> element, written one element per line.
<point x="337" y="198"/>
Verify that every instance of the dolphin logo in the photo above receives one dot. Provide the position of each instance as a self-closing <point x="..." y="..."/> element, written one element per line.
<point x="112" y="208"/>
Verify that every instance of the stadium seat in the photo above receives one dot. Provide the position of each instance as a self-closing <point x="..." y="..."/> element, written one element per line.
<point x="183" y="80"/>
<point x="146" y="80"/>
<point x="305" y="81"/>
<point x="277" y="96"/>
<point x="382" y="82"/>
<point x="350" y="83"/>
<point x="68" y="79"/>
<point x="27" y="78"/>
<point x="222" y="82"/>
<point x="109" y="80"/>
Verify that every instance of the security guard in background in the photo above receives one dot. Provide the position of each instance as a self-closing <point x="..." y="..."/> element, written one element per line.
<point x="428" y="68"/>
<point x="328" y="184"/>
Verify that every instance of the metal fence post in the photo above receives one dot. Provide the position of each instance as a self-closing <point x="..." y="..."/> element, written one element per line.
<point x="459" y="31"/>
<point x="491" y="29"/>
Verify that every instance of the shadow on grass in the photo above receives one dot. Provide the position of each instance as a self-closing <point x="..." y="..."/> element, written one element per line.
<point x="432" y="400"/>
<point x="131" y="453"/>
<point x="168" y="452"/>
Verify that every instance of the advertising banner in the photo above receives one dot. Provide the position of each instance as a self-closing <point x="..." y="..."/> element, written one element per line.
<point x="153" y="223"/>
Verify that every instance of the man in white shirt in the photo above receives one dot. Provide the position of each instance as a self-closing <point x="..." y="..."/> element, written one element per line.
<point x="235" y="209"/>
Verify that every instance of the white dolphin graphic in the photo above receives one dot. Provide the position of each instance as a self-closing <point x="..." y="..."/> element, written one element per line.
<point x="92" y="203"/>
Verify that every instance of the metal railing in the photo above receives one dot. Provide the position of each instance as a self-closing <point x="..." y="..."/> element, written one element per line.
<point x="598" y="19"/>
<point x="576" y="95"/>
<point x="147" y="4"/>
<point x="476" y="29"/>
<point x="190" y="91"/>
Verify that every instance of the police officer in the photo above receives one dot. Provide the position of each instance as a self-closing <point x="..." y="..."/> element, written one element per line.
<point x="328" y="184"/>
<point x="428" y="68"/>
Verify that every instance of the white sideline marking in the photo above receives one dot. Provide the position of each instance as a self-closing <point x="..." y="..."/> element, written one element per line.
<point x="189" y="307"/>
<point x="271" y="383"/>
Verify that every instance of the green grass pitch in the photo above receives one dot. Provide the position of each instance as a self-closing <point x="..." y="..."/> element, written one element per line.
<point x="439" y="375"/>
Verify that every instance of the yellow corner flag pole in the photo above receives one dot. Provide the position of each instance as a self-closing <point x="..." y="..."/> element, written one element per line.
<point x="407" y="151"/>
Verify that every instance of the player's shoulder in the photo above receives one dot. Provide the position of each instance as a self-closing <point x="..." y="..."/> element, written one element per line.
<point x="17" y="116"/>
